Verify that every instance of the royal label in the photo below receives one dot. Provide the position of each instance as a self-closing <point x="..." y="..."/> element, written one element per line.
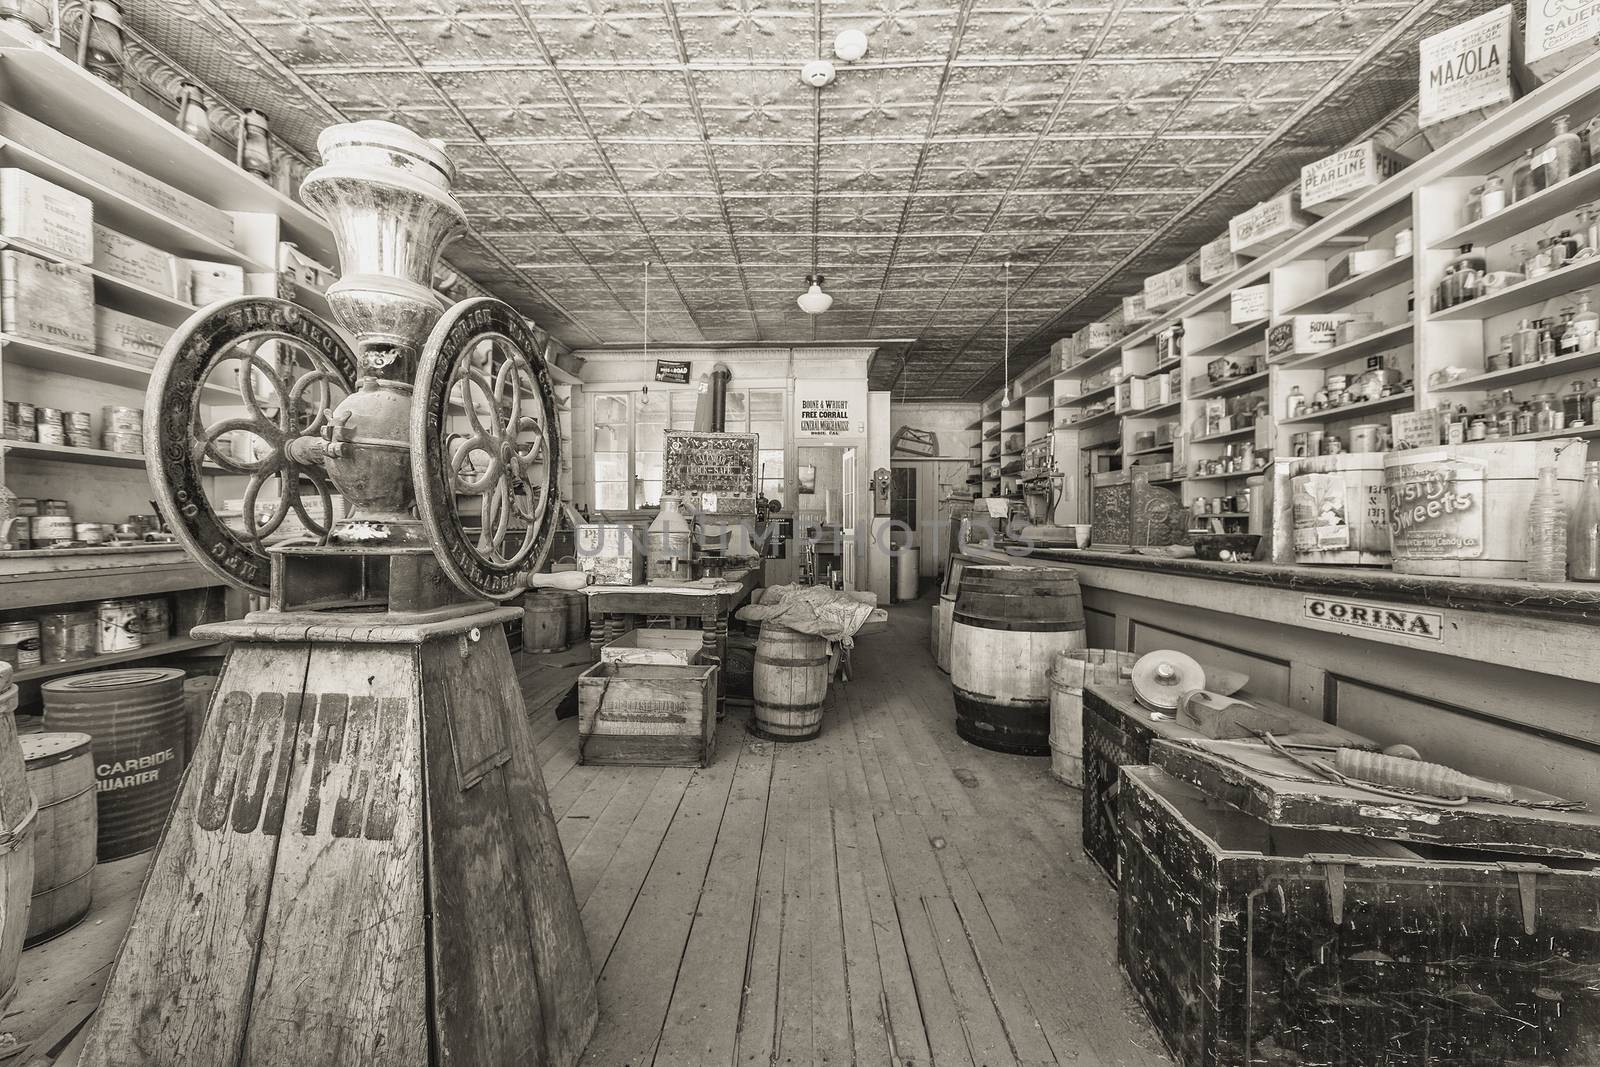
<point x="1436" y="508"/>
<point x="1465" y="68"/>
<point x="312" y="764"/>
<point x="1384" y="618"/>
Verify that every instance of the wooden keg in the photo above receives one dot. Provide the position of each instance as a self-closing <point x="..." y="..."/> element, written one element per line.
<point x="135" y="719"/>
<point x="544" y="620"/>
<point x="1008" y="624"/>
<point x="577" y="618"/>
<point x="17" y="816"/>
<point x="790" y="682"/>
<point x="1070" y="673"/>
<point x="61" y="775"/>
<point x="947" y="611"/>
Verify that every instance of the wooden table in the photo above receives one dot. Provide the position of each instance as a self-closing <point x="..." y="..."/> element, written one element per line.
<point x="613" y="608"/>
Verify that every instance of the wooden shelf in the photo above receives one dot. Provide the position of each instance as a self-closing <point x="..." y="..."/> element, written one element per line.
<point x="1231" y="476"/>
<point x="1350" y="290"/>
<point x="130" y="297"/>
<point x="1396" y="402"/>
<point x="1233" y="385"/>
<point x="1242" y="337"/>
<point x="1096" y="361"/>
<point x="1150" y="413"/>
<point x="1089" y="397"/>
<point x="98" y="456"/>
<point x="1389" y="337"/>
<point x="170" y="647"/>
<point x="1523" y="215"/>
<point x="1528" y="372"/>
<point x="1226" y="435"/>
<point x="1569" y="279"/>
<point x="103" y="369"/>
<point x="1093" y="420"/>
<point x="1157" y="450"/>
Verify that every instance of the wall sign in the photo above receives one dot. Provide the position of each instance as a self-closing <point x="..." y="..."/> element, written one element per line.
<point x="1385" y="618"/>
<point x="1554" y="25"/>
<point x="1466" y="67"/>
<point x="672" y="371"/>
<point x="713" y="472"/>
<point x="830" y="411"/>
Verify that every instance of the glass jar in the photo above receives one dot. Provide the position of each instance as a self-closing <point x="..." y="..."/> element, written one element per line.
<point x="1492" y="196"/>
<point x="1548" y="336"/>
<point x="103" y="53"/>
<point x="1469" y="267"/>
<point x="1474" y="204"/>
<point x="1573" y="412"/>
<point x="1585" y="325"/>
<point x="1295" y="405"/>
<point x="1524" y="420"/>
<point x="193" y="118"/>
<point x="255" y="154"/>
<point x="1547" y="417"/>
<point x="1402" y="242"/>
<point x="1478" y="428"/>
<point x="1522" y="182"/>
<point x="1561" y="157"/>
<point x="1569" y="244"/>
<point x="1447" y="293"/>
<point x="1591" y="400"/>
<point x="1539" y="262"/>
<point x="1502" y="359"/>
<point x="1567" y="339"/>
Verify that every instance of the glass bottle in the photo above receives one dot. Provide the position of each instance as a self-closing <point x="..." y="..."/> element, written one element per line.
<point x="1591" y="400"/>
<point x="1573" y="413"/>
<point x="1501" y="359"/>
<point x="1547" y="530"/>
<point x="1591" y="229"/>
<point x="1524" y="420"/>
<point x="1564" y="335"/>
<point x="1445" y="294"/>
<point x="1547" y="341"/>
<point x="1505" y="414"/>
<point x="1586" y="327"/>
<point x="193" y="118"/>
<point x="1522" y="185"/>
<point x="1295" y="405"/>
<point x="1561" y="157"/>
<point x="1524" y="344"/>
<point x="1539" y="262"/>
<point x="1569" y="244"/>
<point x="255" y="155"/>
<point x="1493" y="197"/>
<point x="1474" y="204"/>
<point x="1583" y="542"/>
<point x="1546" y="413"/>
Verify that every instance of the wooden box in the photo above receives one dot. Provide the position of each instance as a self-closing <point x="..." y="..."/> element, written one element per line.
<point x="1253" y="943"/>
<point x="128" y="337"/>
<point x="1267" y="225"/>
<point x="659" y="715"/>
<point x="129" y="181"/>
<point x="1333" y="181"/>
<point x="1218" y="260"/>
<point x="210" y="282"/>
<point x="42" y="213"/>
<point x="1339" y="514"/>
<point x="140" y="263"/>
<point x="610" y="553"/>
<point x="655" y="645"/>
<point x="48" y="302"/>
<point x="1169" y="287"/>
<point x="1118" y="732"/>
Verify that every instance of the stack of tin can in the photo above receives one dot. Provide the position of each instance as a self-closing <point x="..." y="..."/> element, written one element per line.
<point x="122" y="429"/>
<point x="47" y="426"/>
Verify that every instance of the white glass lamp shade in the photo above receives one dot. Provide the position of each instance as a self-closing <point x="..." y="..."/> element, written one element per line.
<point x="814" y="301"/>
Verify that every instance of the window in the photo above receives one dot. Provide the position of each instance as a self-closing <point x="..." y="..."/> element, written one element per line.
<point x="629" y="438"/>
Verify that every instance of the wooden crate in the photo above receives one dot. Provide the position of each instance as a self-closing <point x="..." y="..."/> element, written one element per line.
<point x="1257" y="944"/>
<point x="660" y="715"/>
<point x="655" y="645"/>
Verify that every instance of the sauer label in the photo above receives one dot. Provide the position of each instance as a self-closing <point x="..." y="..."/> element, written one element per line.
<point x="318" y="763"/>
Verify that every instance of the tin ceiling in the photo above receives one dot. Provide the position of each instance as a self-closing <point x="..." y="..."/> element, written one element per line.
<point x="1091" y="142"/>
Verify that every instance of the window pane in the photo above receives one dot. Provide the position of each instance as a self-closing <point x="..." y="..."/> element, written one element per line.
<point x="647" y="465"/>
<point x="683" y="402"/>
<point x="610" y="466"/>
<point x="738" y="411"/>
<point x="648" y="494"/>
<point x="770" y="433"/>
<point x="772" y="489"/>
<point x="648" y="436"/>
<point x="611" y="496"/>
<point x="772" y="463"/>
<point x="766" y="405"/>
<point x="611" y="437"/>
<point x="651" y="407"/>
<point x="611" y="408"/>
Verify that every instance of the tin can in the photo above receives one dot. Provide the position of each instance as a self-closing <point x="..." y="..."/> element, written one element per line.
<point x="65" y="636"/>
<point x="47" y="434"/>
<point x="52" y="531"/>
<point x="155" y="619"/>
<point x="1298" y="445"/>
<point x="79" y="440"/>
<point x="21" y="418"/>
<point x="126" y="443"/>
<point x="77" y="422"/>
<point x="117" y="626"/>
<point x="90" y="533"/>
<point x="19" y="643"/>
<point x="114" y="419"/>
<point x="54" y="507"/>
<point x="27" y="506"/>
<point x="1314" y="439"/>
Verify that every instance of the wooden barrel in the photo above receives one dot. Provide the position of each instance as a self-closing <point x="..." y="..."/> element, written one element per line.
<point x="1462" y="510"/>
<point x="135" y="719"/>
<point x="17" y="816"/>
<point x="61" y="776"/>
<point x="1008" y="623"/>
<point x="577" y="618"/>
<point x="544" y="621"/>
<point x="1340" y="518"/>
<point x="789" y="684"/>
<point x="1070" y="672"/>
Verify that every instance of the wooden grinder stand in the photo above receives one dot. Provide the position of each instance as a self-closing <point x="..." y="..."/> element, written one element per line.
<point x="362" y="867"/>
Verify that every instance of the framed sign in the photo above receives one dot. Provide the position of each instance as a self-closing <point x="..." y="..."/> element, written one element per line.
<point x="830" y="411"/>
<point x="672" y="371"/>
<point x="712" y="472"/>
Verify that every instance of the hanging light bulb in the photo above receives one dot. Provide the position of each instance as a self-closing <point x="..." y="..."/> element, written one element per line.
<point x="1005" y="392"/>
<point x="814" y="301"/>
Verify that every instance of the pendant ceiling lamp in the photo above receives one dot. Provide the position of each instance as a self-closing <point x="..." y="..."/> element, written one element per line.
<point x="814" y="301"/>
<point x="1005" y="353"/>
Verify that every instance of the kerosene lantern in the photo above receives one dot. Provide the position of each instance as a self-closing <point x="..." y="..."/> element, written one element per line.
<point x="362" y="867"/>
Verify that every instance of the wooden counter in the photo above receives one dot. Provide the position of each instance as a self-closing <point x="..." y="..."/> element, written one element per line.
<point x="1497" y="677"/>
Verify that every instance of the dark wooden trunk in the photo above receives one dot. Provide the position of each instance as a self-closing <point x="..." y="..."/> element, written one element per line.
<point x="1253" y="944"/>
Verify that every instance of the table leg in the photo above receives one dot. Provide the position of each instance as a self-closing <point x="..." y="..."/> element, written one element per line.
<point x="714" y="647"/>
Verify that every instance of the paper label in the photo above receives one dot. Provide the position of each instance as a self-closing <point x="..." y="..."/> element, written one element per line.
<point x="1465" y="68"/>
<point x="1554" y="25"/>
<point x="1436" y="508"/>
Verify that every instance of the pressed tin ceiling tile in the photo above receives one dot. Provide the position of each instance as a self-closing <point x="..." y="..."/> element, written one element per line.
<point x="1071" y="136"/>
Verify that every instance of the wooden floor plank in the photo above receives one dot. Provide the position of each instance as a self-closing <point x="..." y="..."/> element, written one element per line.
<point x="636" y="981"/>
<point x="579" y="819"/>
<point x="796" y="1011"/>
<point x="763" y="977"/>
<point x="702" y="1026"/>
<point x="830" y="998"/>
<point x="589" y="859"/>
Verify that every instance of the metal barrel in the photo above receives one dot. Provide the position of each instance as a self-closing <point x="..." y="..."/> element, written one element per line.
<point x="135" y="718"/>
